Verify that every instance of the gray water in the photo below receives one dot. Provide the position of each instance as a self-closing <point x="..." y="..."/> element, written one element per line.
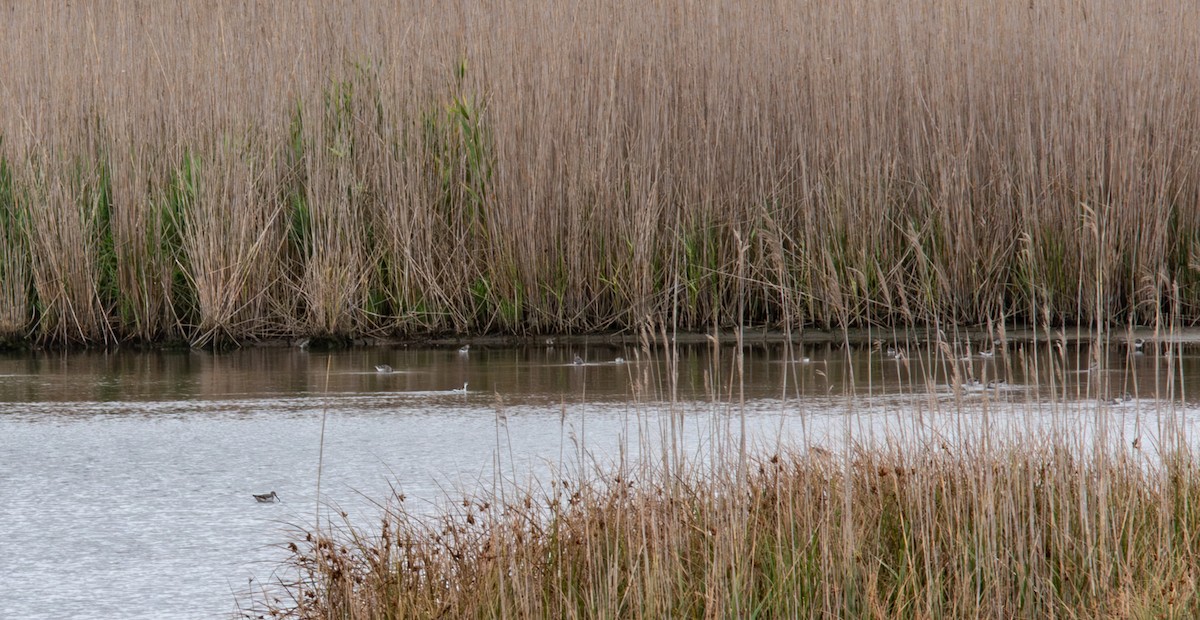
<point x="126" y="478"/>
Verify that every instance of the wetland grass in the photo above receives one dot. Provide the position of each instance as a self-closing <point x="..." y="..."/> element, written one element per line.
<point x="222" y="172"/>
<point x="935" y="531"/>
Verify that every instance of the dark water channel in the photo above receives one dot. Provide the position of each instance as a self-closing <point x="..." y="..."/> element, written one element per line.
<point x="126" y="478"/>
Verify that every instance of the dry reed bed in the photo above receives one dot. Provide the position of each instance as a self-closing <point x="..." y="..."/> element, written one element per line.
<point x="882" y="533"/>
<point x="223" y="171"/>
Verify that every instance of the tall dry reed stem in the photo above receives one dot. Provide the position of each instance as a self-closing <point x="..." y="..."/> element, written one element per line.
<point x="63" y="207"/>
<point x="338" y="265"/>
<point x="15" y="314"/>
<point x="146" y="205"/>
<point x="233" y="234"/>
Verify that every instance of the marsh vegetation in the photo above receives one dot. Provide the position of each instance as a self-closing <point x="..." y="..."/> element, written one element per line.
<point x="928" y="531"/>
<point x="227" y="172"/>
<point x="218" y="173"/>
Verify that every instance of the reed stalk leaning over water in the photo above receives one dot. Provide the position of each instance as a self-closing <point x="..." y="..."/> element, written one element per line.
<point x="534" y="167"/>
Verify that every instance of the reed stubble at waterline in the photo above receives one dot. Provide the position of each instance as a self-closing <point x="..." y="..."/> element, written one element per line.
<point x="233" y="172"/>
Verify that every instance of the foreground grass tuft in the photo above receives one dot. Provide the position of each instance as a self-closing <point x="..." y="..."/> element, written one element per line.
<point x="1033" y="531"/>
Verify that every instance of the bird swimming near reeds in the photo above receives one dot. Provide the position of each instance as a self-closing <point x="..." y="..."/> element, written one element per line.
<point x="578" y="361"/>
<point x="1138" y="343"/>
<point x="266" y="498"/>
<point x="465" y="349"/>
<point x="1121" y="400"/>
<point x="463" y="390"/>
<point x="383" y="368"/>
<point x="619" y="360"/>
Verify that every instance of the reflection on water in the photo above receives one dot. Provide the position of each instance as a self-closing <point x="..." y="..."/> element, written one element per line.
<point x="127" y="479"/>
<point x="608" y="373"/>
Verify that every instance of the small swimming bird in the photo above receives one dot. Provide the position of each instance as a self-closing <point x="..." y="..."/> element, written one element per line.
<point x="578" y="361"/>
<point x="466" y="348"/>
<point x="266" y="498"/>
<point x="619" y="360"/>
<point x="1137" y="346"/>
<point x="383" y="368"/>
<point x="1120" y="400"/>
<point x="460" y="391"/>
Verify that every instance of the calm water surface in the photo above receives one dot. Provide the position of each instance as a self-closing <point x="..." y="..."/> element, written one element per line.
<point x="126" y="478"/>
